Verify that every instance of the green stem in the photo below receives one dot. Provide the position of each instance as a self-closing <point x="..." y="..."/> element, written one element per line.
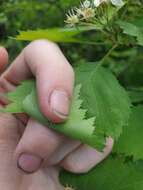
<point x="108" y="53"/>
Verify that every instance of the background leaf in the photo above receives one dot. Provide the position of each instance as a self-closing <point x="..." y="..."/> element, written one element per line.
<point x="132" y="30"/>
<point x="112" y="174"/>
<point x="130" y="142"/>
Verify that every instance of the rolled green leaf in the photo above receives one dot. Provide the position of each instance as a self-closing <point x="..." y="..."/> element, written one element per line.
<point x="99" y="109"/>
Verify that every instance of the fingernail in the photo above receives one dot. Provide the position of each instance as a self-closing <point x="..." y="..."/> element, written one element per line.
<point x="60" y="103"/>
<point x="29" y="163"/>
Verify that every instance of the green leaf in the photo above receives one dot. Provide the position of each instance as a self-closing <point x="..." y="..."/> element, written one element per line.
<point x="104" y="98"/>
<point x="132" y="30"/>
<point x="76" y="126"/>
<point x="17" y="97"/>
<point x="104" y="111"/>
<point x="130" y="142"/>
<point x="25" y="100"/>
<point x="55" y="34"/>
<point x="112" y="174"/>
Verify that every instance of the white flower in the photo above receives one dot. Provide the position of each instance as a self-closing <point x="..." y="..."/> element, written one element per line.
<point x="86" y="13"/>
<point x="78" y="11"/>
<point x="72" y="18"/>
<point x="86" y="4"/>
<point x="118" y="3"/>
<point x="97" y="3"/>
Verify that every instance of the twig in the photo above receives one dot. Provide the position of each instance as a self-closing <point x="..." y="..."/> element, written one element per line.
<point x="108" y="53"/>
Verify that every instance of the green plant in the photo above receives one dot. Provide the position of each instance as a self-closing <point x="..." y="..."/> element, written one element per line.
<point x="104" y="108"/>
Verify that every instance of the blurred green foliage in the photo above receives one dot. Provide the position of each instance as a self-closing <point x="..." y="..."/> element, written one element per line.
<point x="126" y="61"/>
<point x="18" y="15"/>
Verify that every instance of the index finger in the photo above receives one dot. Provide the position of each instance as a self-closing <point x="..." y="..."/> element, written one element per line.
<point x="53" y="73"/>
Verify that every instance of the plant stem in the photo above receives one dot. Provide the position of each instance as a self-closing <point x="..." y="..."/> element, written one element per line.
<point x="108" y="53"/>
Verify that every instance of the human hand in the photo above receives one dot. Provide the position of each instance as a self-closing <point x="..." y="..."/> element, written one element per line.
<point x="37" y="147"/>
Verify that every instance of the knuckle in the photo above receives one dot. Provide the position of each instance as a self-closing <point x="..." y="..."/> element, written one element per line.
<point x="38" y="44"/>
<point x="37" y="49"/>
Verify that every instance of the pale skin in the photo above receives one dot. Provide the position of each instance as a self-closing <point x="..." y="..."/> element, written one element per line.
<point x="28" y="147"/>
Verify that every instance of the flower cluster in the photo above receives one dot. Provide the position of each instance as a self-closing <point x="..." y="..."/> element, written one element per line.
<point x="87" y="10"/>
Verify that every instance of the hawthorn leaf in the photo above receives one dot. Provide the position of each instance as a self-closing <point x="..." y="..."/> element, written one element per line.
<point x="65" y="35"/>
<point x="101" y="110"/>
<point x="75" y="127"/>
<point x="130" y="143"/>
<point x="111" y="174"/>
<point x="104" y="98"/>
<point x="25" y="100"/>
<point x="132" y="30"/>
<point x="16" y="97"/>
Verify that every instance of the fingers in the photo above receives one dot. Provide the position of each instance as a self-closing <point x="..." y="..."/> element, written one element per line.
<point x="68" y="146"/>
<point x="3" y="58"/>
<point x="54" y="77"/>
<point x="53" y="148"/>
<point x="85" y="158"/>
<point x="10" y="177"/>
<point x="41" y="146"/>
<point x="9" y="136"/>
<point x="35" y="146"/>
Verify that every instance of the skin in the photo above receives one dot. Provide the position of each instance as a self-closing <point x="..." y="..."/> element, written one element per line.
<point x="26" y="146"/>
